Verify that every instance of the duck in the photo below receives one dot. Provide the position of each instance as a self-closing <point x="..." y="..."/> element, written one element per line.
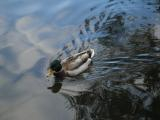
<point x="71" y="66"/>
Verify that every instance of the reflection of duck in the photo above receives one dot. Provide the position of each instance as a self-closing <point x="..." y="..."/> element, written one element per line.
<point x="71" y="66"/>
<point x="56" y="87"/>
<point x="73" y="88"/>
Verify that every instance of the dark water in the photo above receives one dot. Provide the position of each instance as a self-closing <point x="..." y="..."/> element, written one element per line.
<point x="122" y="84"/>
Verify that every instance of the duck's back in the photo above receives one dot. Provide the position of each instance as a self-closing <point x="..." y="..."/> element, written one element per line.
<point x="77" y="60"/>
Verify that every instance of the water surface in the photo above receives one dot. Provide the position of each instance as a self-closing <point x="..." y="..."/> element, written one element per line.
<point x="123" y="82"/>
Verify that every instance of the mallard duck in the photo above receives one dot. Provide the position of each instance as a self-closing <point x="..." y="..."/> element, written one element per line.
<point x="71" y="66"/>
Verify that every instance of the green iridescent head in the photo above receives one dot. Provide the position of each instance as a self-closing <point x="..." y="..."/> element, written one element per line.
<point x="56" y="66"/>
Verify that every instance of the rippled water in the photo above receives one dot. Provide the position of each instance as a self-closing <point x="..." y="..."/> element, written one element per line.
<point x="123" y="82"/>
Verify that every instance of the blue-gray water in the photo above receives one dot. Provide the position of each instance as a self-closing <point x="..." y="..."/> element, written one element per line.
<point x="123" y="82"/>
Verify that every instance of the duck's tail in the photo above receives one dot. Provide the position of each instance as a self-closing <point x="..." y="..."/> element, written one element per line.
<point x="91" y="53"/>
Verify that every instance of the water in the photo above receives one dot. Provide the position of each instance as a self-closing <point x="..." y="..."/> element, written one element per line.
<point x="123" y="82"/>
